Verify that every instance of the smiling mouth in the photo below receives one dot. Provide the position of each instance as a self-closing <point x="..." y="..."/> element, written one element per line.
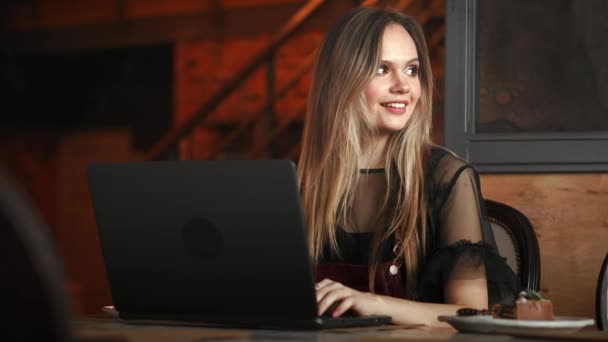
<point x="397" y="108"/>
<point x="396" y="105"/>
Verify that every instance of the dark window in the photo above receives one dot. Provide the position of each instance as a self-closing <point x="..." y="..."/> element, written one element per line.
<point x="77" y="90"/>
<point x="527" y="84"/>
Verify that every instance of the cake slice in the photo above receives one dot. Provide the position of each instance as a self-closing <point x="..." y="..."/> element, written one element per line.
<point x="528" y="306"/>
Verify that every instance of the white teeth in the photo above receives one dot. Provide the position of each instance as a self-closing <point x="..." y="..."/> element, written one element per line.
<point x="394" y="105"/>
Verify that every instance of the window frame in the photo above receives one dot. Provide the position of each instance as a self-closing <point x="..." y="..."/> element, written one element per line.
<point x="502" y="152"/>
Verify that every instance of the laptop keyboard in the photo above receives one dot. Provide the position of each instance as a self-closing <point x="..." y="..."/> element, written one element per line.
<point x="353" y="321"/>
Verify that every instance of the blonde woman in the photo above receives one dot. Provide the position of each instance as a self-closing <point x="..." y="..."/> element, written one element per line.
<point x="396" y="225"/>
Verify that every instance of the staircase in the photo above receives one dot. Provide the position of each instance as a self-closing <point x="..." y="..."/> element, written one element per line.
<point x="273" y="129"/>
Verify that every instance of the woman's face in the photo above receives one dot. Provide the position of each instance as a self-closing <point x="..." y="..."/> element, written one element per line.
<point x="394" y="90"/>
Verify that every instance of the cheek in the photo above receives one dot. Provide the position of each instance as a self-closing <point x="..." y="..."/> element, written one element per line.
<point x="416" y="90"/>
<point x="371" y="94"/>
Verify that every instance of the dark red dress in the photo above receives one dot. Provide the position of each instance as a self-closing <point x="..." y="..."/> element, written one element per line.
<point x="355" y="270"/>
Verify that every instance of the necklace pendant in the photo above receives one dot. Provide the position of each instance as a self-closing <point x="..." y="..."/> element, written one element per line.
<point x="393" y="270"/>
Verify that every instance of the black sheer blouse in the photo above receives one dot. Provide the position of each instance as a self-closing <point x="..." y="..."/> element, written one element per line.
<point x="459" y="236"/>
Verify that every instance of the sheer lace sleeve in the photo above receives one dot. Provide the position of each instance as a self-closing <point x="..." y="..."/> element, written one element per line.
<point x="461" y="242"/>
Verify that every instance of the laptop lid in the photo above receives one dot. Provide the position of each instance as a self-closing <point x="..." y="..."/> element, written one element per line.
<point x="217" y="239"/>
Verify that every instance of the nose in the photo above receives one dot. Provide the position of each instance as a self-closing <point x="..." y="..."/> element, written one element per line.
<point x="400" y="84"/>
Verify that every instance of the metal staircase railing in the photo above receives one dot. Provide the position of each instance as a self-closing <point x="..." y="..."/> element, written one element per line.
<point x="182" y="130"/>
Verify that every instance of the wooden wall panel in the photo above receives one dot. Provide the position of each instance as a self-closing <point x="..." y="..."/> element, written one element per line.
<point x="40" y="29"/>
<point x="53" y="14"/>
<point x="67" y="13"/>
<point x="152" y="8"/>
<point x="30" y="160"/>
<point x="254" y="3"/>
<point x="570" y="215"/>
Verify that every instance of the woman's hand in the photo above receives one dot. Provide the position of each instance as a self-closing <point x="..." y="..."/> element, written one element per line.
<point x="339" y="298"/>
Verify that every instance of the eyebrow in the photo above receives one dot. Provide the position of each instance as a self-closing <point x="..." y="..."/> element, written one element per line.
<point x="415" y="59"/>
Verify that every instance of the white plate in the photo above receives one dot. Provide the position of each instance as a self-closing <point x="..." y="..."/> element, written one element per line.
<point x="490" y="325"/>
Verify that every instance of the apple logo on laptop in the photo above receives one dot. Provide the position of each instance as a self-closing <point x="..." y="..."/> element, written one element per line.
<point x="201" y="238"/>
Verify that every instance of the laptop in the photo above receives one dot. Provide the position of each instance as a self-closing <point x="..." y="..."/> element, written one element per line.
<point x="211" y="242"/>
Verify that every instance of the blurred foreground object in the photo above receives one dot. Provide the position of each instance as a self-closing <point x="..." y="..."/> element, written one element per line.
<point x="32" y="287"/>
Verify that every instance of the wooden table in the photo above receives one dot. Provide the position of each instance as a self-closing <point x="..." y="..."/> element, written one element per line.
<point x="114" y="330"/>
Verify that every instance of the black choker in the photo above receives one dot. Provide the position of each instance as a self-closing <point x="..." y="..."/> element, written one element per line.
<point x="368" y="171"/>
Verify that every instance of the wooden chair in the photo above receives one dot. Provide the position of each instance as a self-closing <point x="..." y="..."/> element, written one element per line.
<point x="601" y="297"/>
<point x="516" y="241"/>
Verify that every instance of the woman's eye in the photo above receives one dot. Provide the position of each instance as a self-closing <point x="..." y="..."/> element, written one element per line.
<point x="412" y="70"/>
<point x="383" y="69"/>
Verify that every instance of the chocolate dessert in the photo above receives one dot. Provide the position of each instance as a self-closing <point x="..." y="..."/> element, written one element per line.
<point x="528" y="306"/>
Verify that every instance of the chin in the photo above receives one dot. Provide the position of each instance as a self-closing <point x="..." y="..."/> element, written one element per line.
<point x="390" y="131"/>
<point x="393" y="127"/>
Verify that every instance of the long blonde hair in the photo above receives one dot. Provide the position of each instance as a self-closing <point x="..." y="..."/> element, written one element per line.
<point x="337" y="127"/>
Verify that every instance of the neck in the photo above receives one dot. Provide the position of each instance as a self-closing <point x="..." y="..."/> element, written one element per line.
<point x="374" y="155"/>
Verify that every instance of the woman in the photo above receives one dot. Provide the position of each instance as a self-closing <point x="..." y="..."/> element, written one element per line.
<point x="396" y="226"/>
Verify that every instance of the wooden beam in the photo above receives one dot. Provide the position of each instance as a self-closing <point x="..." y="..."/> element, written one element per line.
<point x="240" y="22"/>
